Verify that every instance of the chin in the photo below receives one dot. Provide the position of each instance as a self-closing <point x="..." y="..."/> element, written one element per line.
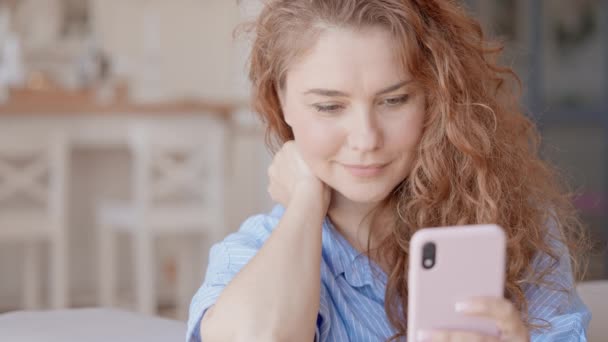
<point x="363" y="194"/>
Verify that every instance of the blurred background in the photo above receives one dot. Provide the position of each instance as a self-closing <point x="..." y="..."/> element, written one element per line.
<point x="113" y="111"/>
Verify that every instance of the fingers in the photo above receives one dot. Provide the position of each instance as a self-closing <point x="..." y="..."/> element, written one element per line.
<point x="278" y="193"/>
<point x="289" y="176"/>
<point x="275" y="190"/>
<point x="454" y="336"/>
<point x="282" y="174"/>
<point x="500" y="310"/>
<point x="497" y="308"/>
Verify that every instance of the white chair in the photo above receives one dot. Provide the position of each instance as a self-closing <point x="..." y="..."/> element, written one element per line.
<point x="595" y="296"/>
<point x="33" y="207"/>
<point x="177" y="190"/>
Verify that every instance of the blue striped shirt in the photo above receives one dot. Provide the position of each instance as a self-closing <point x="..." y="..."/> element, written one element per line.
<point x="352" y="288"/>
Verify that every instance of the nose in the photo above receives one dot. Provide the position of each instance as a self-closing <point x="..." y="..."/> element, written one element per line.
<point x="365" y="134"/>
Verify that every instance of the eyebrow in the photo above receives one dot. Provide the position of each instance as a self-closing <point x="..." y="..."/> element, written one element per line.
<point x="337" y="93"/>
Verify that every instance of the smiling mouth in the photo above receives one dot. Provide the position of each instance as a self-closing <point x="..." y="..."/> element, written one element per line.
<point x="365" y="171"/>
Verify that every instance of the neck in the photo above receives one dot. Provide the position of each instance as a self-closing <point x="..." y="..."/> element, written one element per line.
<point x="352" y="220"/>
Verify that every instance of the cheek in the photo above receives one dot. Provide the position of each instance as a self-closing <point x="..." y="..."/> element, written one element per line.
<point x="318" y="141"/>
<point x="405" y="136"/>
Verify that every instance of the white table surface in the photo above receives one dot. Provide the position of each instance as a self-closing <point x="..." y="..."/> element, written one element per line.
<point x="91" y="325"/>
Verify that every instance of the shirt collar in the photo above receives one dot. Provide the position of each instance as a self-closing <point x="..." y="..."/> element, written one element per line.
<point x="343" y="259"/>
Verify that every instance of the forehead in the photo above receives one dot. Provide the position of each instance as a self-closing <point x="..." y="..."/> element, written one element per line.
<point x="346" y="59"/>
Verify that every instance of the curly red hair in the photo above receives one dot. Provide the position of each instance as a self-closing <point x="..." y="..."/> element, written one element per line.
<point x="478" y="157"/>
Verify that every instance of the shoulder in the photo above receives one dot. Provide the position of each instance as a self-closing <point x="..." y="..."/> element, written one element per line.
<point x="236" y="249"/>
<point x="226" y="258"/>
<point x="553" y="302"/>
<point x="256" y="229"/>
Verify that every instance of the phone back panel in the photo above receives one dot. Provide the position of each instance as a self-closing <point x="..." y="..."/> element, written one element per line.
<point x="469" y="262"/>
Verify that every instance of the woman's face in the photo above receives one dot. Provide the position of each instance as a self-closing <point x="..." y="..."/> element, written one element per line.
<point x="356" y="116"/>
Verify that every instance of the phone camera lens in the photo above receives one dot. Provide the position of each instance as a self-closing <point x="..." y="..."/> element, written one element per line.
<point x="428" y="255"/>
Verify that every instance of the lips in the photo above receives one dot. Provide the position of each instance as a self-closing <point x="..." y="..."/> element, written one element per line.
<point x="365" y="170"/>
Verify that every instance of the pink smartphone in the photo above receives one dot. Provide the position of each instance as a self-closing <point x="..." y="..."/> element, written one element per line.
<point x="452" y="264"/>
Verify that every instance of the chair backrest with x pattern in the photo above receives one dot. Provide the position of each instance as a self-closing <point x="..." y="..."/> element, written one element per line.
<point x="33" y="170"/>
<point x="178" y="163"/>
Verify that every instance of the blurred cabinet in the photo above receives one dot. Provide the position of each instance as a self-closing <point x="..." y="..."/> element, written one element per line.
<point x="559" y="48"/>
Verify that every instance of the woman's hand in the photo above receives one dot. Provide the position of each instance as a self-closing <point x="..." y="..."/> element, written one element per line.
<point x="290" y="176"/>
<point x="500" y="310"/>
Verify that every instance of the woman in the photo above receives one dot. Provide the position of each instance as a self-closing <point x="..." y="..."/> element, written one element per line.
<point x="388" y="116"/>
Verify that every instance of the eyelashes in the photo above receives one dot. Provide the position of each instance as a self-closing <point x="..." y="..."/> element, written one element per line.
<point x="390" y="102"/>
<point x="395" y="101"/>
<point x="327" y="108"/>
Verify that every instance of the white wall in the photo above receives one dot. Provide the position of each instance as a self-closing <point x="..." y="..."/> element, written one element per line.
<point x="197" y="53"/>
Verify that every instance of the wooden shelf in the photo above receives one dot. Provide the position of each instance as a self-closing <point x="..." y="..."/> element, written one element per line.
<point x="54" y="102"/>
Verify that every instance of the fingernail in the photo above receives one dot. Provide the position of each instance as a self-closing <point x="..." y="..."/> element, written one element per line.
<point x="423" y="335"/>
<point x="466" y="307"/>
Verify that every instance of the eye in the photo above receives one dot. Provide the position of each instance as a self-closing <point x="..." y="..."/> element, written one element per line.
<point x="327" y="108"/>
<point x="396" y="101"/>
